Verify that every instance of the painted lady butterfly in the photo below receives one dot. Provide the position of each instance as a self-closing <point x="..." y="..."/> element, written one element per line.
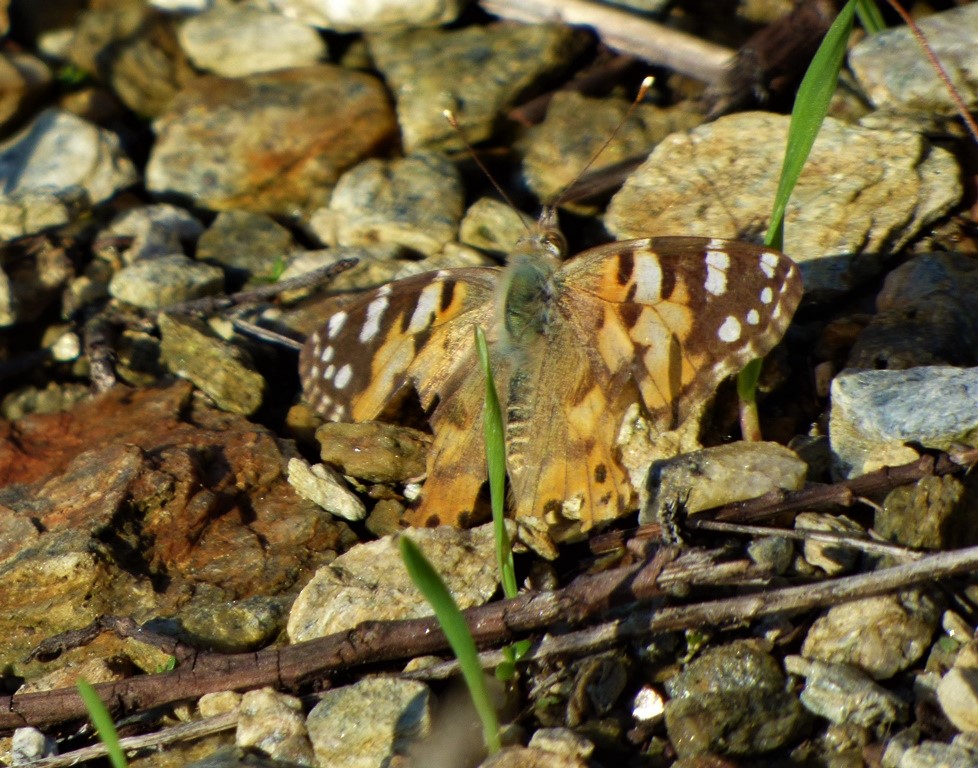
<point x="572" y="344"/>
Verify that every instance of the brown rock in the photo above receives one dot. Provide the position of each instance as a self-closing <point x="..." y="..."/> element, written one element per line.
<point x="269" y="143"/>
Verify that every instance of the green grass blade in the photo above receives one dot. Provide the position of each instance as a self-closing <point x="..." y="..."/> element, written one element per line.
<point x="869" y="16"/>
<point x="102" y="721"/>
<point x="495" y="441"/>
<point x="811" y="107"/>
<point x="457" y="632"/>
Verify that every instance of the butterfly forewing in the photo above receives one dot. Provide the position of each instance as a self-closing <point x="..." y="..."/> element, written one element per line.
<point x="680" y="313"/>
<point x="404" y="333"/>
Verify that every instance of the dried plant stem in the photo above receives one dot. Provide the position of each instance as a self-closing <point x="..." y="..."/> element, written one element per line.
<point x="586" y="599"/>
<point x="624" y="32"/>
<point x="646" y="622"/>
<point x="184" y="732"/>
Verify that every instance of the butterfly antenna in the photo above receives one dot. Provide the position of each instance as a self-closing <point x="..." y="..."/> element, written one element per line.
<point x="643" y="89"/>
<point x="453" y="121"/>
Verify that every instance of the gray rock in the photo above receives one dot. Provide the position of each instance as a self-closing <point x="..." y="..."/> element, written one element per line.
<point x="325" y="487"/>
<point x="841" y="693"/>
<point x="533" y="757"/>
<point x="343" y="16"/>
<point x="958" y="694"/>
<point x="772" y="553"/>
<point x="162" y="282"/>
<point x="27" y="211"/>
<point x="156" y="230"/>
<point x="219" y="703"/>
<point x="238" y="626"/>
<point x="598" y="683"/>
<point x="374" y="451"/>
<point x="249" y="246"/>
<point x="494" y="226"/>
<point x="30" y="744"/>
<point x="875" y="413"/>
<point x="134" y="50"/>
<point x="934" y="754"/>
<point x="223" y="370"/>
<point x="239" y="40"/>
<point x="476" y="72"/>
<point x="925" y="316"/>
<point x="138" y="358"/>
<point x="577" y="127"/>
<point x="369" y="582"/>
<point x="54" y="398"/>
<point x="385" y="518"/>
<point x="366" y="724"/>
<point x="834" y="559"/>
<point x="275" y="725"/>
<point x="91" y="285"/>
<point x="58" y="152"/>
<point x="880" y="635"/>
<point x="862" y="195"/>
<point x="23" y="79"/>
<point x="936" y="513"/>
<point x="731" y="700"/>
<point x="415" y="201"/>
<point x="721" y="475"/>
<point x="275" y="142"/>
<point x="895" y="74"/>
<point x="33" y="277"/>
<point x="562" y="741"/>
<point x="182" y="6"/>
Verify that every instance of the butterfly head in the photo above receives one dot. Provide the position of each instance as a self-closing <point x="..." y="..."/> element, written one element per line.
<point x="543" y="243"/>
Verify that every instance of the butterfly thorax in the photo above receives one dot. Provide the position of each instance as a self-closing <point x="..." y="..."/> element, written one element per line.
<point x="531" y="283"/>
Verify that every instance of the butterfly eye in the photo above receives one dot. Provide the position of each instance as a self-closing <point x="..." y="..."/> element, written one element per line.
<point x="555" y="243"/>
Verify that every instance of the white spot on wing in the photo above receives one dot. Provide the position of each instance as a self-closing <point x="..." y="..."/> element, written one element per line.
<point x="753" y="317"/>
<point x="427" y="303"/>
<point x="337" y="413"/>
<point x="767" y="295"/>
<point x="717" y="264"/>
<point x="768" y="262"/>
<point x="328" y="373"/>
<point x="326" y="355"/>
<point x="343" y="376"/>
<point x="375" y="311"/>
<point x="647" y="275"/>
<point x="730" y="330"/>
<point x="336" y="323"/>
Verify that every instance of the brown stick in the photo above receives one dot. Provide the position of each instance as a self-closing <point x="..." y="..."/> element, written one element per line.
<point x="624" y="32"/>
<point x="815" y="497"/>
<point x="500" y="622"/>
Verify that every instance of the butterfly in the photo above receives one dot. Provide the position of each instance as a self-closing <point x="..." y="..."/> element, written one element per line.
<point x="572" y="344"/>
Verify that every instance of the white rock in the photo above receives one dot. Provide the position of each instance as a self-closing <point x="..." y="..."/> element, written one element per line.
<point x="371" y="15"/>
<point x="241" y="40"/>
<point x="876" y="413"/>
<point x="58" y="151"/>
<point x="369" y="581"/>
<point x="325" y="487"/>
<point x="366" y="724"/>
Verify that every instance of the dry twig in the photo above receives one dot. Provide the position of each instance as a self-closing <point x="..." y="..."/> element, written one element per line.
<point x="624" y="32"/>
<point x="587" y="598"/>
